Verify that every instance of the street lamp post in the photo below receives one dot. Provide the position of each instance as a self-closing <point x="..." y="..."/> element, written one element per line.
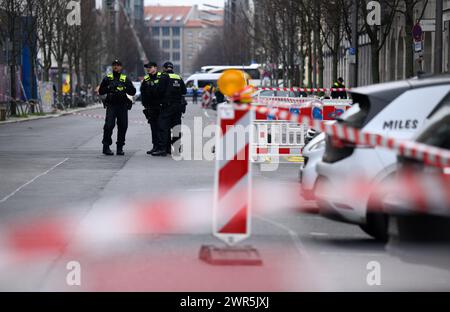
<point x="354" y="49"/>
<point x="438" y="38"/>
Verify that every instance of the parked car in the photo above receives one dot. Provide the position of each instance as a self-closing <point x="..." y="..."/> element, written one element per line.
<point x="200" y="81"/>
<point x="312" y="154"/>
<point x="423" y="214"/>
<point x="396" y="109"/>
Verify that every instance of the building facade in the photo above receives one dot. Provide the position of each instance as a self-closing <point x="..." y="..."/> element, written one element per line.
<point x="182" y="32"/>
<point x="393" y="54"/>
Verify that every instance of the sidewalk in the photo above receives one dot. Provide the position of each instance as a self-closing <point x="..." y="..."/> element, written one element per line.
<point x="51" y="115"/>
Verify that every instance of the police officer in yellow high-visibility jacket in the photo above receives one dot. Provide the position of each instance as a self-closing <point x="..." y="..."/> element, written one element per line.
<point x="152" y="101"/>
<point x="116" y="86"/>
<point x="336" y="94"/>
<point x="172" y="90"/>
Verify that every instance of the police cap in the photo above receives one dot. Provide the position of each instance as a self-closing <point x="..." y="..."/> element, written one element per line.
<point x="168" y="65"/>
<point x="116" y="62"/>
<point x="150" y="64"/>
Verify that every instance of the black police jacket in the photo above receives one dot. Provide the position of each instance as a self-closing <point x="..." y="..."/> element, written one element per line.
<point x="116" y="86"/>
<point x="149" y="91"/>
<point x="338" y="94"/>
<point x="171" y="88"/>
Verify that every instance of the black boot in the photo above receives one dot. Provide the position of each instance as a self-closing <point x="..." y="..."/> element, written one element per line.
<point x="154" y="149"/>
<point x="120" y="150"/>
<point x="107" y="151"/>
<point x="161" y="153"/>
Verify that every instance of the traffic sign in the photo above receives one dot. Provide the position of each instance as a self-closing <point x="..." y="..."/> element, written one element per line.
<point x="417" y="32"/>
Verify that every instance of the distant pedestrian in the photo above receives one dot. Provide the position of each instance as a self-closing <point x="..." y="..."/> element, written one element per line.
<point x="338" y="94"/>
<point x="195" y="94"/>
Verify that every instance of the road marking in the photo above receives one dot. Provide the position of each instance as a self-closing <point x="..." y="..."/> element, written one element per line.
<point x="4" y="199"/>
<point x="318" y="234"/>
<point x="294" y="236"/>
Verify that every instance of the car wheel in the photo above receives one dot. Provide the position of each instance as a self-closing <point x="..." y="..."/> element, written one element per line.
<point x="377" y="226"/>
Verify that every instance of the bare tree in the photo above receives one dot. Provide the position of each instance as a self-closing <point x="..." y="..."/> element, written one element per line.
<point x="379" y="33"/>
<point x="10" y="33"/>
<point x="407" y="9"/>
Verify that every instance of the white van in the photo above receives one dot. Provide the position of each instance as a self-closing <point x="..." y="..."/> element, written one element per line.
<point x="396" y="109"/>
<point x="251" y="70"/>
<point x="200" y="81"/>
<point x="206" y="69"/>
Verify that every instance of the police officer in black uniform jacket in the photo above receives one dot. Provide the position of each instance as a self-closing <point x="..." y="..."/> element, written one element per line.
<point x="172" y="89"/>
<point x="116" y="86"/>
<point x="151" y="100"/>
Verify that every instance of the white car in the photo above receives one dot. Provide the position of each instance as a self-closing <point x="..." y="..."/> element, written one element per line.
<point x="396" y="109"/>
<point x="312" y="154"/>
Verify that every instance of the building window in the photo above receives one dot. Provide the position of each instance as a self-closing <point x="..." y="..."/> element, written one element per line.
<point x="165" y="31"/>
<point x="176" y="31"/>
<point x="176" y="56"/>
<point x="176" y="68"/>
<point x="176" y="44"/>
<point x="155" y="31"/>
<point x="166" y="44"/>
<point x="166" y="56"/>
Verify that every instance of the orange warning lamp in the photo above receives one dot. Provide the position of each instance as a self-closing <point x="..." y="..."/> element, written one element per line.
<point x="232" y="81"/>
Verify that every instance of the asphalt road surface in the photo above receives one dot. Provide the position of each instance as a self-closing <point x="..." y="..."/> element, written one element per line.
<point x="53" y="168"/>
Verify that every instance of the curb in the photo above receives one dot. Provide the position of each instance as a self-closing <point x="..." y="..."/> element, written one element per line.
<point x="64" y="113"/>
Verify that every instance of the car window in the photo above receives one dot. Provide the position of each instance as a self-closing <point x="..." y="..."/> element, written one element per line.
<point x="204" y="83"/>
<point x="266" y="93"/>
<point x="190" y="84"/>
<point x="438" y="135"/>
<point x="254" y="73"/>
<point x="282" y="93"/>
<point x="444" y="102"/>
<point x="357" y="115"/>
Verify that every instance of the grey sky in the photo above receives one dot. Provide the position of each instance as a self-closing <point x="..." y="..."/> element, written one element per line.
<point x="185" y="2"/>
<point x="179" y="2"/>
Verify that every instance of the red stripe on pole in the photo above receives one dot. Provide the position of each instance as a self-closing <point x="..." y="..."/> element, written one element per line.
<point x="228" y="124"/>
<point x="237" y="224"/>
<point x="233" y="172"/>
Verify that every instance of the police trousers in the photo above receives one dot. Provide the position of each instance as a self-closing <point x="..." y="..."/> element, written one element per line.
<point x="154" y="113"/>
<point x="115" y="113"/>
<point x="169" y="118"/>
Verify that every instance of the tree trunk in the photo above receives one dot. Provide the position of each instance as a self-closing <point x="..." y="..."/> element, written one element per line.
<point x="409" y="52"/>
<point x="375" y="62"/>
<point x="334" y="70"/>
<point x="13" y="79"/>
<point x="59" y="82"/>
<point x="309" y="47"/>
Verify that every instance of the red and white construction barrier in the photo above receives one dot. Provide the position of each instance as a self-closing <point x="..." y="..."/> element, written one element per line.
<point x="233" y="176"/>
<point x="206" y="99"/>
<point x="307" y="90"/>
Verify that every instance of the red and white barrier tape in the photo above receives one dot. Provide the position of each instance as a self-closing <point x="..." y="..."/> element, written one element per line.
<point x="102" y="117"/>
<point x="428" y="154"/>
<point x="307" y="90"/>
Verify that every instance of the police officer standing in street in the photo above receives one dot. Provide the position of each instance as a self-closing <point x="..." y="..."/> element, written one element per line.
<point x="172" y="90"/>
<point x="336" y="94"/>
<point x="151" y="100"/>
<point x="116" y="86"/>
